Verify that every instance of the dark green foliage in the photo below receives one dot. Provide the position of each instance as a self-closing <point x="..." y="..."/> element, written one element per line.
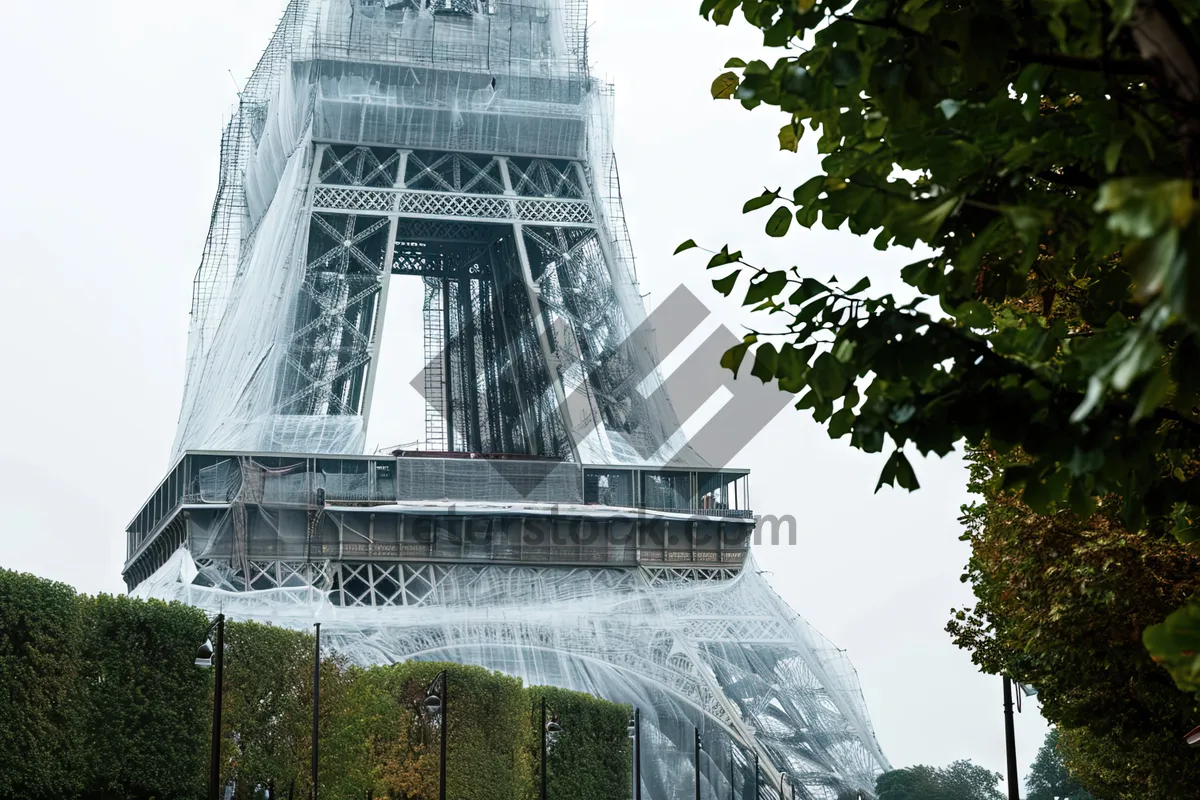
<point x="591" y="756"/>
<point x="39" y="708"/>
<point x="1048" y="777"/>
<point x="486" y="738"/>
<point x="1047" y="155"/>
<point x="142" y="731"/>
<point x="962" y="780"/>
<point x="102" y="701"/>
<point x="1062" y="601"/>
<point x="268" y="711"/>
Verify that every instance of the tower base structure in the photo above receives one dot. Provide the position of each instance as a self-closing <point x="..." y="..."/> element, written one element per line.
<point x="558" y="526"/>
<point x="660" y="608"/>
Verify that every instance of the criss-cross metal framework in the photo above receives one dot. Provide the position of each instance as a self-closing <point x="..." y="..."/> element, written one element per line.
<point x="522" y="324"/>
<point x="461" y="146"/>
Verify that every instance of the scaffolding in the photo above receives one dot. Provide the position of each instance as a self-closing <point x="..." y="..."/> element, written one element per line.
<point x="464" y="143"/>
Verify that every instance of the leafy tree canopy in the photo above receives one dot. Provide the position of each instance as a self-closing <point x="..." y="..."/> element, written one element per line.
<point x="962" y="780"/>
<point x="1046" y="154"/>
<point x="1062" y="601"/>
<point x="1048" y="777"/>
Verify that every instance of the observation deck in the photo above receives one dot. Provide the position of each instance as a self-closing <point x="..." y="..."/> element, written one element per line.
<point x="242" y="509"/>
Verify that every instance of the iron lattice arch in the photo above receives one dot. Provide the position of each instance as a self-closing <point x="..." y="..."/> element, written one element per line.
<point x="720" y="652"/>
<point x="502" y="244"/>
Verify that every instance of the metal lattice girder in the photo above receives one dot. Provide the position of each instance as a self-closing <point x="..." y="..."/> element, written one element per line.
<point x="545" y="178"/>
<point x="416" y="204"/>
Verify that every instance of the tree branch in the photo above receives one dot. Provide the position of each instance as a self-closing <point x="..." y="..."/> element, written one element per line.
<point x="886" y="24"/>
<point x="1086" y="64"/>
<point x="1071" y="177"/>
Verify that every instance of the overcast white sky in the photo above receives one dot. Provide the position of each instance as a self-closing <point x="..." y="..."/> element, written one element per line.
<point x="113" y="111"/>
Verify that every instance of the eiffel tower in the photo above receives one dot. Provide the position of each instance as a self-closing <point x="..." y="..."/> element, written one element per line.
<point x="554" y="524"/>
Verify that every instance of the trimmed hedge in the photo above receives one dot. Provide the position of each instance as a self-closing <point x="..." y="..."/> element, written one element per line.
<point x="101" y="701"/>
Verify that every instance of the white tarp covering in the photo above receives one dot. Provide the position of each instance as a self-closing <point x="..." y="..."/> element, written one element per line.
<point x="725" y="656"/>
<point x="691" y="647"/>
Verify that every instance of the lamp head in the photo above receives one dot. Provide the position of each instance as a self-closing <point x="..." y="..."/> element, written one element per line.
<point x="204" y="655"/>
<point x="433" y="703"/>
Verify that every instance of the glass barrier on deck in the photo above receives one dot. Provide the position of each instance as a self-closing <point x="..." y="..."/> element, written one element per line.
<point x="303" y="482"/>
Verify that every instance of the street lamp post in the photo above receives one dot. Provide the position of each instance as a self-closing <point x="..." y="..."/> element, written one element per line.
<point x="316" y="730"/>
<point x="437" y="701"/>
<point x="755" y="775"/>
<point x="698" y="764"/>
<point x="1010" y="742"/>
<point x="552" y="726"/>
<point x="206" y="655"/>
<point x="782" y="778"/>
<point x="635" y="733"/>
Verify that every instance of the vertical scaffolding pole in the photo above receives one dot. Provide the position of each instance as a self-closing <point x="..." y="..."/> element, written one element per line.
<point x="385" y="282"/>
<point x="466" y="315"/>
<point x="535" y="310"/>
<point x="510" y="350"/>
<point x="447" y="365"/>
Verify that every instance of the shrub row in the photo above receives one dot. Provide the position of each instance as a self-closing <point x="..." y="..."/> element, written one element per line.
<point x="100" y="700"/>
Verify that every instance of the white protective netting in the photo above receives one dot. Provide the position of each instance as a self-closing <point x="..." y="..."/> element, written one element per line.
<point x="725" y="656"/>
<point x="689" y="647"/>
<point x="511" y="78"/>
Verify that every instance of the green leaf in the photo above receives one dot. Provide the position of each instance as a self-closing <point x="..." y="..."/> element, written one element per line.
<point x="779" y="222"/>
<point x="1141" y="207"/>
<point x="734" y="63"/>
<point x="1029" y="86"/>
<point x="1186" y="519"/>
<point x="809" y="288"/>
<point x="1122" y="11"/>
<point x="725" y="85"/>
<point x="1153" y="395"/>
<point x="828" y="377"/>
<point x="1015" y="476"/>
<point x="974" y="314"/>
<point x="1029" y="223"/>
<point x="688" y="245"/>
<point x="765" y="286"/>
<point x="905" y="476"/>
<point x="725" y="285"/>
<point x="1112" y="153"/>
<point x="841" y="423"/>
<point x="844" y="67"/>
<point x="766" y="360"/>
<point x="733" y="357"/>
<point x="789" y="137"/>
<point x="1037" y="496"/>
<point x="792" y="369"/>
<point x="861" y="286"/>
<point x="724" y="257"/>
<point x="762" y="201"/>
<point x="1081" y="500"/>
<point x="808" y="191"/>
<point x="897" y="471"/>
<point x="1175" y="643"/>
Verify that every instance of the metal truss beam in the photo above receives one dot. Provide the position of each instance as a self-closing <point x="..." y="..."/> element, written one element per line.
<point x="424" y="204"/>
